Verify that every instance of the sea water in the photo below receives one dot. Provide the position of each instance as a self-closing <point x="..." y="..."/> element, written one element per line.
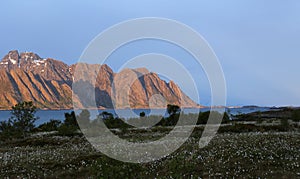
<point x="47" y="115"/>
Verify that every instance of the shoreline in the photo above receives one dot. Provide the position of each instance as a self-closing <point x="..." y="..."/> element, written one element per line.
<point x="199" y="107"/>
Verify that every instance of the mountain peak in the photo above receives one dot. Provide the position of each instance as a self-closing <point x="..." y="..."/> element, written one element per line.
<point x="11" y="58"/>
<point x="48" y="83"/>
<point x="21" y="60"/>
<point x="105" y="67"/>
<point x="29" y="56"/>
<point x="142" y="70"/>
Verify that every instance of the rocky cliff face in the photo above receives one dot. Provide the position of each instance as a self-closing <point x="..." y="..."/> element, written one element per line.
<point x="48" y="83"/>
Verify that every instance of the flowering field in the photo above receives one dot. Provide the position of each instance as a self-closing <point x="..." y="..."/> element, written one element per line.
<point x="250" y="155"/>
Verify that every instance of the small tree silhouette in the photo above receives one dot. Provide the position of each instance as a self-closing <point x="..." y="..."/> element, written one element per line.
<point x="106" y="115"/>
<point x="142" y="114"/>
<point x="70" y="125"/>
<point x="84" y="118"/>
<point x="23" y="117"/>
<point x="173" y="109"/>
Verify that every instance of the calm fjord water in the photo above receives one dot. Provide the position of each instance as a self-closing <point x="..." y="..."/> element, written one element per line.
<point x="46" y="115"/>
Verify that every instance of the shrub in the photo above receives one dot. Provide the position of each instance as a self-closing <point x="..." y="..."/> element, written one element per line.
<point x="203" y="117"/>
<point x="113" y="123"/>
<point x="8" y="131"/>
<point x="106" y="115"/>
<point x="284" y="123"/>
<point x="296" y="115"/>
<point x="238" y="128"/>
<point x="70" y="125"/>
<point x="245" y="117"/>
<point x="84" y="118"/>
<point x="169" y="121"/>
<point x="52" y="125"/>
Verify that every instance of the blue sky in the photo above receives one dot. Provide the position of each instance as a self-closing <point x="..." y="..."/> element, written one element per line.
<point x="257" y="42"/>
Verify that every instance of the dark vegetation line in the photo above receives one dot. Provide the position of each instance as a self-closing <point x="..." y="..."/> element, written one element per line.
<point x="21" y="122"/>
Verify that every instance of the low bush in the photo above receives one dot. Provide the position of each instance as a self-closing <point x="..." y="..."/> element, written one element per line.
<point x="70" y="126"/>
<point x="52" y="125"/>
<point x="296" y="115"/>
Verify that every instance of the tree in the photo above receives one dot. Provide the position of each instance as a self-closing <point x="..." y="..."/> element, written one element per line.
<point x="142" y="114"/>
<point x="70" y="119"/>
<point x="172" y="119"/>
<point x="173" y="109"/>
<point x="70" y="125"/>
<point x="106" y="115"/>
<point x="84" y="118"/>
<point x="23" y="117"/>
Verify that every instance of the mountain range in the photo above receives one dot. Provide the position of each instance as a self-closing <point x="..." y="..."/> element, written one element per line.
<point x="48" y="83"/>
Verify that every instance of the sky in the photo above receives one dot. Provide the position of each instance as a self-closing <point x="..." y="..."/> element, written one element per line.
<point x="256" y="41"/>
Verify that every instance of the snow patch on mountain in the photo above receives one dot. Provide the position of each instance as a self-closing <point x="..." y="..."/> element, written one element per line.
<point x="4" y="63"/>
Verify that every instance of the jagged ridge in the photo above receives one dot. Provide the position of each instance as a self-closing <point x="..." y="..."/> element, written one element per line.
<point x="48" y="82"/>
